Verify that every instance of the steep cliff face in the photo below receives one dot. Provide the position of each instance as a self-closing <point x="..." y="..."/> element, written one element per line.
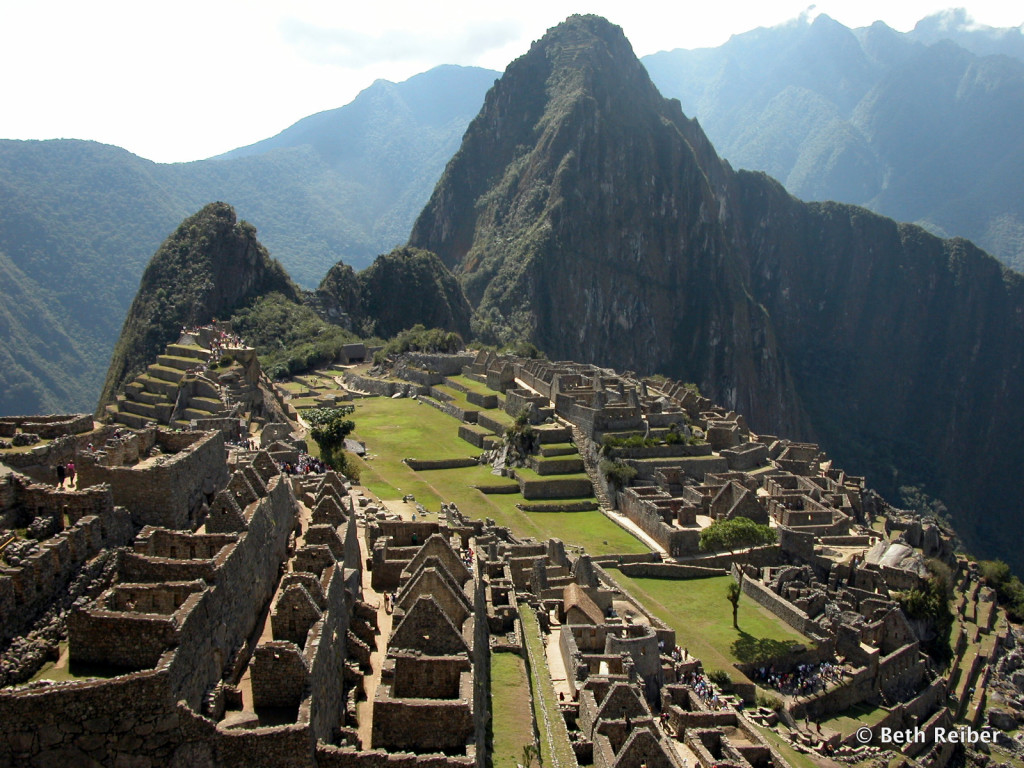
<point x="586" y="213"/>
<point x="399" y="290"/>
<point x="211" y="265"/>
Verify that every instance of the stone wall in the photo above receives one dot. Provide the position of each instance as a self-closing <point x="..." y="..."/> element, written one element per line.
<point x="446" y="365"/>
<point x="778" y="605"/>
<point x="669" y="571"/>
<point x="383" y="387"/>
<point x="422" y="464"/>
<point x="27" y="590"/>
<point x="168" y="491"/>
<point x="47" y="427"/>
<point x="556" y="488"/>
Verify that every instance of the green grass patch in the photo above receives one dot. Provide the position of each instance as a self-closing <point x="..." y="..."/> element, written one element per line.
<point x="555" y="750"/>
<point x="530" y="476"/>
<point x="395" y="429"/>
<point x="855" y="717"/>
<point x="700" y="614"/>
<point x="473" y="386"/>
<point x="512" y="720"/>
<point x="791" y="756"/>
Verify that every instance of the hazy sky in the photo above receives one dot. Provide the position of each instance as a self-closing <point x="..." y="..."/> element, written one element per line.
<point x="185" y="80"/>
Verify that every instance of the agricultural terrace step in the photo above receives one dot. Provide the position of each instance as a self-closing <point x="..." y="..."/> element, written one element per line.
<point x="181" y="363"/>
<point x="142" y="396"/>
<point x="473" y="434"/>
<point x="141" y="409"/>
<point x="195" y="413"/>
<point x="534" y="486"/>
<point x="553" y="433"/>
<point x="206" y="403"/>
<point x="557" y="465"/>
<point x="134" y="420"/>
<point x="180" y="424"/>
<point x="494" y="423"/>
<point x="168" y="389"/>
<point x="165" y="373"/>
<point x="160" y="411"/>
<point x="184" y="350"/>
<point x="558" y="449"/>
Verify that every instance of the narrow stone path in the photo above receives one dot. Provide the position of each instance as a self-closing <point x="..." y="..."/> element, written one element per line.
<point x="364" y="709"/>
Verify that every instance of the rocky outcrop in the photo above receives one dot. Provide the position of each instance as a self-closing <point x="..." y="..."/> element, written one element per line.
<point x="211" y="265"/>
<point x="400" y="289"/>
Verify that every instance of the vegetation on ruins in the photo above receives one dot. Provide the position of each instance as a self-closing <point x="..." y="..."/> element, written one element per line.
<point x="519" y="348"/>
<point x="928" y="608"/>
<point x="521" y="438"/>
<point x="1009" y="588"/>
<point x="329" y="427"/>
<point x="617" y="471"/>
<point x="721" y="678"/>
<point x="674" y="436"/>
<point x="737" y="533"/>
<point x="420" y="339"/>
<point x="289" y="337"/>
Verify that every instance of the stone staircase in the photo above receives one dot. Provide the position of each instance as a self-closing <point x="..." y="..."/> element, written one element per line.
<point x="171" y="392"/>
<point x="592" y="470"/>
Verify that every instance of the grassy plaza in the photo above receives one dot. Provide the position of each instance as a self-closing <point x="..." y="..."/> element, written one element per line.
<point x="405" y="428"/>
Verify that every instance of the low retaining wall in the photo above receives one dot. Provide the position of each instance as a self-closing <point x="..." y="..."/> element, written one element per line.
<point x="670" y="571"/>
<point x="422" y="464"/>
<point x="383" y="387"/>
<point x="474" y="436"/>
<point x="778" y="605"/>
<point x="576" y="506"/>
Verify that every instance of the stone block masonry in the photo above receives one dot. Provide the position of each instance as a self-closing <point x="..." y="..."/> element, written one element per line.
<point x="169" y="490"/>
<point x="27" y="590"/>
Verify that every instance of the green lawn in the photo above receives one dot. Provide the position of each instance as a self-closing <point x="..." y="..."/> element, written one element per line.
<point x="511" y="716"/>
<point x="395" y="429"/>
<point x="701" y="616"/>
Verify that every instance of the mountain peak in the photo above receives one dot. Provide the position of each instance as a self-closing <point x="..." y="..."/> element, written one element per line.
<point x="210" y="265"/>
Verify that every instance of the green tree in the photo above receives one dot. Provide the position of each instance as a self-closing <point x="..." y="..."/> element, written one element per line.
<point x="329" y="427"/>
<point x="735" y="534"/>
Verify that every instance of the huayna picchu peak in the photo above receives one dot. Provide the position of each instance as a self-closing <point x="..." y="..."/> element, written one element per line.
<point x="586" y="213"/>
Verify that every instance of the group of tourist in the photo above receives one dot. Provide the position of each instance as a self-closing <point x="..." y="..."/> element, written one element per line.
<point x="65" y="472"/>
<point x="306" y="465"/>
<point x="704" y="688"/>
<point x="805" y="680"/>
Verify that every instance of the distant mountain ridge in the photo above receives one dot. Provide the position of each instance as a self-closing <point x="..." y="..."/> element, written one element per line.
<point x="586" y="213"/>
<point x="912" y="126"/>
<point x="79" y="220"/>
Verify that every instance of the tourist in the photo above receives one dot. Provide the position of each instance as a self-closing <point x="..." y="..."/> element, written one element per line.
<point x="60" y="475"/>
<point x="71" y="474"/>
